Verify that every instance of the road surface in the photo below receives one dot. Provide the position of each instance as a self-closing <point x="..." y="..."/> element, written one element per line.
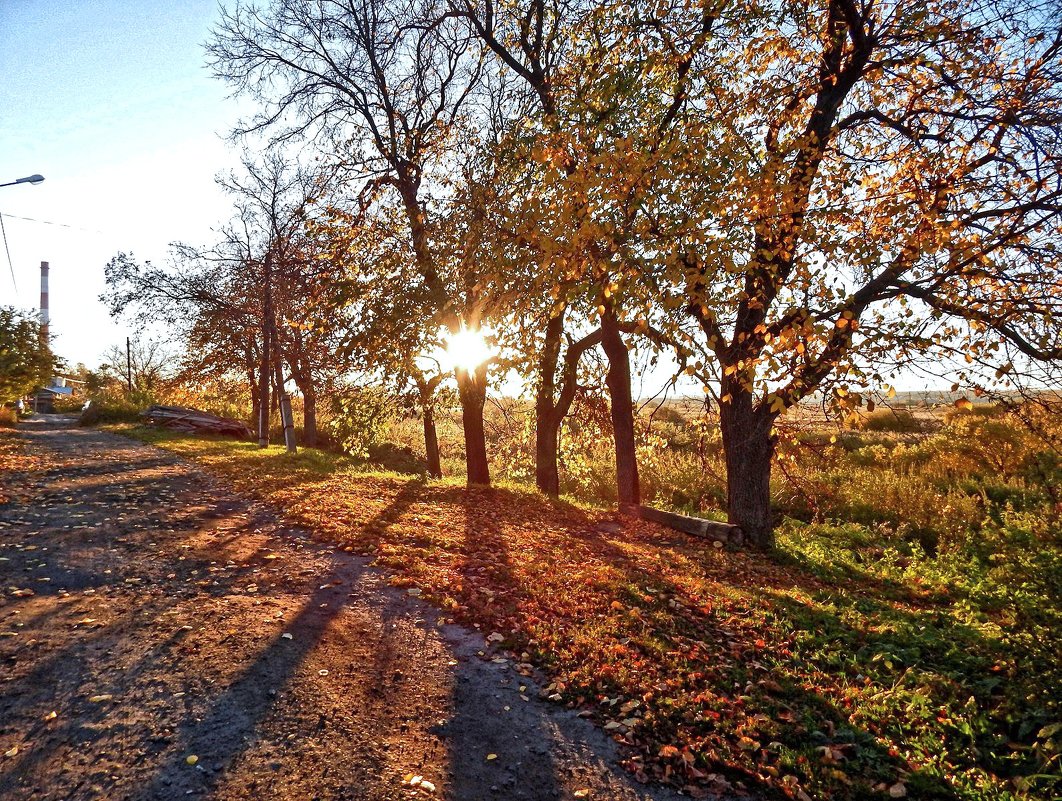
<point x="164" y="638"/>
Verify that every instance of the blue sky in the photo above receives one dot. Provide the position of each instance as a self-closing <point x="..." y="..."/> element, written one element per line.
<point x="112" y="103"/>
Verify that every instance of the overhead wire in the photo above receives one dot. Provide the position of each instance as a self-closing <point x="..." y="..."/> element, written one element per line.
<point x="10" y="266"/>
<point x="7" y="249"/>
<point x="49" y="222"/>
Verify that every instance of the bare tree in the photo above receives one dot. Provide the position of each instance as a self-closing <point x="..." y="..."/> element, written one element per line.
<point x="386" y="83"/>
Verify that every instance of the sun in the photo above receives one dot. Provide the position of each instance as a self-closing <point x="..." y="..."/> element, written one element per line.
<point x="467" y="349"/>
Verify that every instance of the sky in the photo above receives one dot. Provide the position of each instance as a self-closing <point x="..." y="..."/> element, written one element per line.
<point x="113" y="104"/>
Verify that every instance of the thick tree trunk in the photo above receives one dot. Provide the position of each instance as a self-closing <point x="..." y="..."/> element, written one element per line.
<point x="547" y="420"/>
<point x="749" y="448"/>
<point x="547" y="448"/>
<point x="303" y="379"/>
<point x="618" y="379"/>
<point x="472" y="392"/>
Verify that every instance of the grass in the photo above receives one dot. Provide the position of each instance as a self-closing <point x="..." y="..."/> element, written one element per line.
<point x="851" y="664"/>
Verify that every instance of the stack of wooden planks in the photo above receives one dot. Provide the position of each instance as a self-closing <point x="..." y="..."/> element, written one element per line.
<point x="194" y="420"/>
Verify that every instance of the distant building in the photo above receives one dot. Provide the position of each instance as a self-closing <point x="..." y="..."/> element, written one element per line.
<point x="59" y="387"/>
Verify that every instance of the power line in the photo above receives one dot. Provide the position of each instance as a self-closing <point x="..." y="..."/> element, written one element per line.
<point x="49" y="222"/>
<point x="10" y="266"/>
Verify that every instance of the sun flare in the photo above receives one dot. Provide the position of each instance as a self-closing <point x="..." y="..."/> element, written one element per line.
<point x="467" y="349"/>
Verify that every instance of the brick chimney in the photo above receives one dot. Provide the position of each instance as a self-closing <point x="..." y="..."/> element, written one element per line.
<point x="44" y="300"/>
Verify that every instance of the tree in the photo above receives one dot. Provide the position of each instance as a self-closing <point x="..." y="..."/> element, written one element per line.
<point x="26" y="359"/>
<point x="876" y="182"/>
<point x="249" y="305"/>
<point x="387" y="335"/>
<point x="386" y="83"/>
<point x="549" y="141"/>
<point x="143" y="367"/>
<point x="206" y="302"/>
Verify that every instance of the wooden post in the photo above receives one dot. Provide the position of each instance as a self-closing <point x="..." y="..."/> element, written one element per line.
<point x="128" y="366"/>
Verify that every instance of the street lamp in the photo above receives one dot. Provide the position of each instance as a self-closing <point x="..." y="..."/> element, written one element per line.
<point x="29" y="179"/>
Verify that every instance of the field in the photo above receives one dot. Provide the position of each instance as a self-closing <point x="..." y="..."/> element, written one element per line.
<point x="903" y="639"/>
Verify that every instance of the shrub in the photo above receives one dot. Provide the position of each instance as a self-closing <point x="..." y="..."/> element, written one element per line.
<point x="976" y="410"/>
<point x="358" y="417"/>
<point x="67" y="404"/>
<point x="898" y="421"/>
<point x="110" y="410"/>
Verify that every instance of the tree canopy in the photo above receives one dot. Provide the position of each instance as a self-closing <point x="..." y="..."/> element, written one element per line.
<point x="26" y="358"/>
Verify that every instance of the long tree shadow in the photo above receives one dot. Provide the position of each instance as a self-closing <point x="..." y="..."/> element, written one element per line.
<point x="485" y="567"/>
<point x="231" y="725"/>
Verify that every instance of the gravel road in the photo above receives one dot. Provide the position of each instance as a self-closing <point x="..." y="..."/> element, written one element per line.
<point x="164" y="638"/>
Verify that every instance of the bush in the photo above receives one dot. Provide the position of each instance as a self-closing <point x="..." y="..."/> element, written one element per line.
<point x="110" y="410"/>
<point x="67" y="404"/>
<point x="897" y="421"/>
<point x="8" y="417"/>
<point x="358" y="417"/>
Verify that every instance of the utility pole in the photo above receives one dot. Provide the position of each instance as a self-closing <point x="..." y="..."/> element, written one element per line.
<point x="128" y="366"/>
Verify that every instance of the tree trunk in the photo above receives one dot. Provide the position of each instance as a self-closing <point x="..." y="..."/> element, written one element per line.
<point x="472" y="391"/>
<point x="303" y="379"/>
<point x="749" y="448"/>
<point x="547" y="447"/>
<point x="309" y="415"/>
<point x="547" y="421"/>
<point x="431" y="442"/>
<point x="263" y="390"/>
<point x="284" y="403"/>
<point x="426" y="388"/>
<point x="256" y="403"/>
<point x="618" y="379"/>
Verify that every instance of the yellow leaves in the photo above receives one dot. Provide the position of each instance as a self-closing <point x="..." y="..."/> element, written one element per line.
<point x="847" y="321"/>
<point x="965" y="404"/>
<point x="776" y="403"/>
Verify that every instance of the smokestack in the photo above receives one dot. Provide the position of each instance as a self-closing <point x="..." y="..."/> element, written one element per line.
<point x="44" y="300"/>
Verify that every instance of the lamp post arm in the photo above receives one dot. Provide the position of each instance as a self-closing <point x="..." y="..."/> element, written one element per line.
<point x="29" y="179"/>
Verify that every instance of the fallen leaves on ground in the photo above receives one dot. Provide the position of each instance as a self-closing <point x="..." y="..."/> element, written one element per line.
<point x="714" y="669"/>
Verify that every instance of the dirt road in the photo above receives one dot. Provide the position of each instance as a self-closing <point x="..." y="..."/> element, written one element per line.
<point x="162" y="638"/>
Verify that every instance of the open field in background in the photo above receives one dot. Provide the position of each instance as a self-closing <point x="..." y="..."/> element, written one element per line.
<point x="903" y="639"/>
